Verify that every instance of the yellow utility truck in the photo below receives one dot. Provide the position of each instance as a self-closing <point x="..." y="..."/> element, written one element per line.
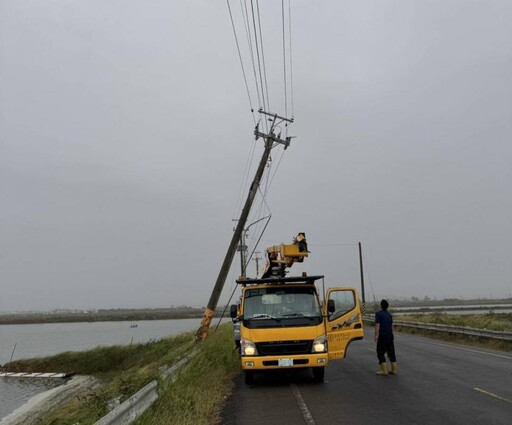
<point x="291" y="322"/>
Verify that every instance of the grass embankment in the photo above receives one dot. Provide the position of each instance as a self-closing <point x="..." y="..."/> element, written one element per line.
<point x="199" y="394"/>
<point x="490" y="321"/>
<point x="195" y="398"/>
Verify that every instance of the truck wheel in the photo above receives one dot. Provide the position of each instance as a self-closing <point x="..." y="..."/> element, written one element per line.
<point x="249" y="377"/>
<point x="318" y="373"/>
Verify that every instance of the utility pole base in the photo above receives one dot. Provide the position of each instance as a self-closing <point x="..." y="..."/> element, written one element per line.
<point x="202" y="332"/>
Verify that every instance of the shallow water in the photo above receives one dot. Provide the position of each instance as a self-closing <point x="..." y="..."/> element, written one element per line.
<point x="40" y="340"/>
<point x="16" y="391"/>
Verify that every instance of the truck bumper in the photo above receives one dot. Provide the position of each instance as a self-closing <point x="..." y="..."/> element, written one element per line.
<point x="284" y="362"/>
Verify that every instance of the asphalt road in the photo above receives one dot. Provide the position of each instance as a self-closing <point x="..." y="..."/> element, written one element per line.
<point x="437" y="383"/>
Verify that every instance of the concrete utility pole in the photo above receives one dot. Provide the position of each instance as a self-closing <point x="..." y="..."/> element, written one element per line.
<point x="243" y="254"/>
<point x="270" y="140"/>
<point x="257" y="259"/>
<point x="362" y="277"/>
<point x="242" y="248"/>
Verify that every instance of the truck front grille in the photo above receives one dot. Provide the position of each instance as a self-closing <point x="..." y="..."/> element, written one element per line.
<point x="284" y="347"/>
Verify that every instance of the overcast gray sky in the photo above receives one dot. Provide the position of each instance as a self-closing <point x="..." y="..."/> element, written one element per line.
<point x="125" y="134"/>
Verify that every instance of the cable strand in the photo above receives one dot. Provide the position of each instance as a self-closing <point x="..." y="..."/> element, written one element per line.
<point x="241" y="61"/>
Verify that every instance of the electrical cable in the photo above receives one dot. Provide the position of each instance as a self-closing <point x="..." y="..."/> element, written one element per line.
<point x="257" y="53"/>
<point x="248" y="34"/>
<point x="241" y="61"/>
<point x="258" y="241"/>
<point x="284" y="63"/>
<point x="290" y="50"/>
<point x="332" y="244"/>
<point x="277" y="167"/>
<point x="252" y="16"/>
<point x="244" y="181"/>
<point x="263" y="55"/>
<point x="225" y="308"/>
<point x="259" y="213"/>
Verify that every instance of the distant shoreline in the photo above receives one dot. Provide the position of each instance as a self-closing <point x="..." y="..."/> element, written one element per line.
<point x="100" y="316"/>
<point x="184" y="312"/>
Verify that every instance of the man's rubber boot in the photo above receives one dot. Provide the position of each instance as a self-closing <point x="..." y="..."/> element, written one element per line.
<point x="394" y="370"/>
<point x="383" y="370"/>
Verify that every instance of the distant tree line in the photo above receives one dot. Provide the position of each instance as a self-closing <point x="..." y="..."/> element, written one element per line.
<point x="103" y="315"/>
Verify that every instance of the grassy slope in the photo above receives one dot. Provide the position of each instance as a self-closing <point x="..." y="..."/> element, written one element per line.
<point x="123" y="370"/>
<point x="199" y="393"/>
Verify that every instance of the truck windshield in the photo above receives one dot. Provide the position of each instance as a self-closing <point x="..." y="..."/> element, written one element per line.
<point x="281" y="302"/>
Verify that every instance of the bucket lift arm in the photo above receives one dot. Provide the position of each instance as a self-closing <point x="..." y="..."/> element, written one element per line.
<point x="281" y="257"/>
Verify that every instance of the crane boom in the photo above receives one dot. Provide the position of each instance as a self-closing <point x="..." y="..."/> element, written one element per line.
<point x="280" y="257"/>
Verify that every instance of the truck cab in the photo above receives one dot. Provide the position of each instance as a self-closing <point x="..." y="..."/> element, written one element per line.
<point x="283" y="324"/>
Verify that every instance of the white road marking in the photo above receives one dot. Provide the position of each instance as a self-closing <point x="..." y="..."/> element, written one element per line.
<point x="473" y="351"/>
<point x="502" y="356"/>
<point x="308" y="417"/>
<point x="492" y="395"/>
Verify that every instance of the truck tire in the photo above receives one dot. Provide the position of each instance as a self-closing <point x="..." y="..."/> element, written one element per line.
<point x="318" y="373"/>
<point x="249" y="377"/>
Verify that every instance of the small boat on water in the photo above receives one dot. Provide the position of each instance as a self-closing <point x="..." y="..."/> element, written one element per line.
<point x="134" y="325"/>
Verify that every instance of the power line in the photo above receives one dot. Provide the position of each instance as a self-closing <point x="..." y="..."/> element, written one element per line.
<point x="241" y="61"/>
<point x="277" y="167"/>
<point x="244" y="181"/>
<point x="253" y="25"/>
<point x="332" y="244"/>
<point x="245" y="15"/>
<point x="257" y="53"/>
<point x="252" y="22"/>
<point x="259" y="238"/>
<point x="290" y="50"/>
<point x="263" y="55"/>
<point x="284" y="63"/>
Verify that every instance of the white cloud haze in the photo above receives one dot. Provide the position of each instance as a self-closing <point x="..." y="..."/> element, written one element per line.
<point x="125" y="131"/>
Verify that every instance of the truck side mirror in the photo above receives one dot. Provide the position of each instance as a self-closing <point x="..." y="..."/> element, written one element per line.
<point x="233" y="311"/>
<point x="331" y="307"/>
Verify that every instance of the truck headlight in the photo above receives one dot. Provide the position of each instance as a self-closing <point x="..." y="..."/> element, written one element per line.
<point x="320" y="345"/>
<point x="248" y="347"/>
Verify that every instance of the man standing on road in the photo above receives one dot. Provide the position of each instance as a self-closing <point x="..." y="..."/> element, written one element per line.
<point x="384" y="339"/>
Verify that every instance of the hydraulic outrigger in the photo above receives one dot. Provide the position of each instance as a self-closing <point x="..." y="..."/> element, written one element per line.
<point x="271" y="140"/>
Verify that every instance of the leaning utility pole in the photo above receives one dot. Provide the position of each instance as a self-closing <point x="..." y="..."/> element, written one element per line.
<point x="270" y="139"/>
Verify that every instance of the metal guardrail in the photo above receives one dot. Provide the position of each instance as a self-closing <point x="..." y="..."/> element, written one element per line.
<point x="129" y="411"/>
<point x="461" y="330"/>
<point x="132" y="408"/>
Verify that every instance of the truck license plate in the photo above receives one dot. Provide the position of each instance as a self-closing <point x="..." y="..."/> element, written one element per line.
<point x="285" y="362"/>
